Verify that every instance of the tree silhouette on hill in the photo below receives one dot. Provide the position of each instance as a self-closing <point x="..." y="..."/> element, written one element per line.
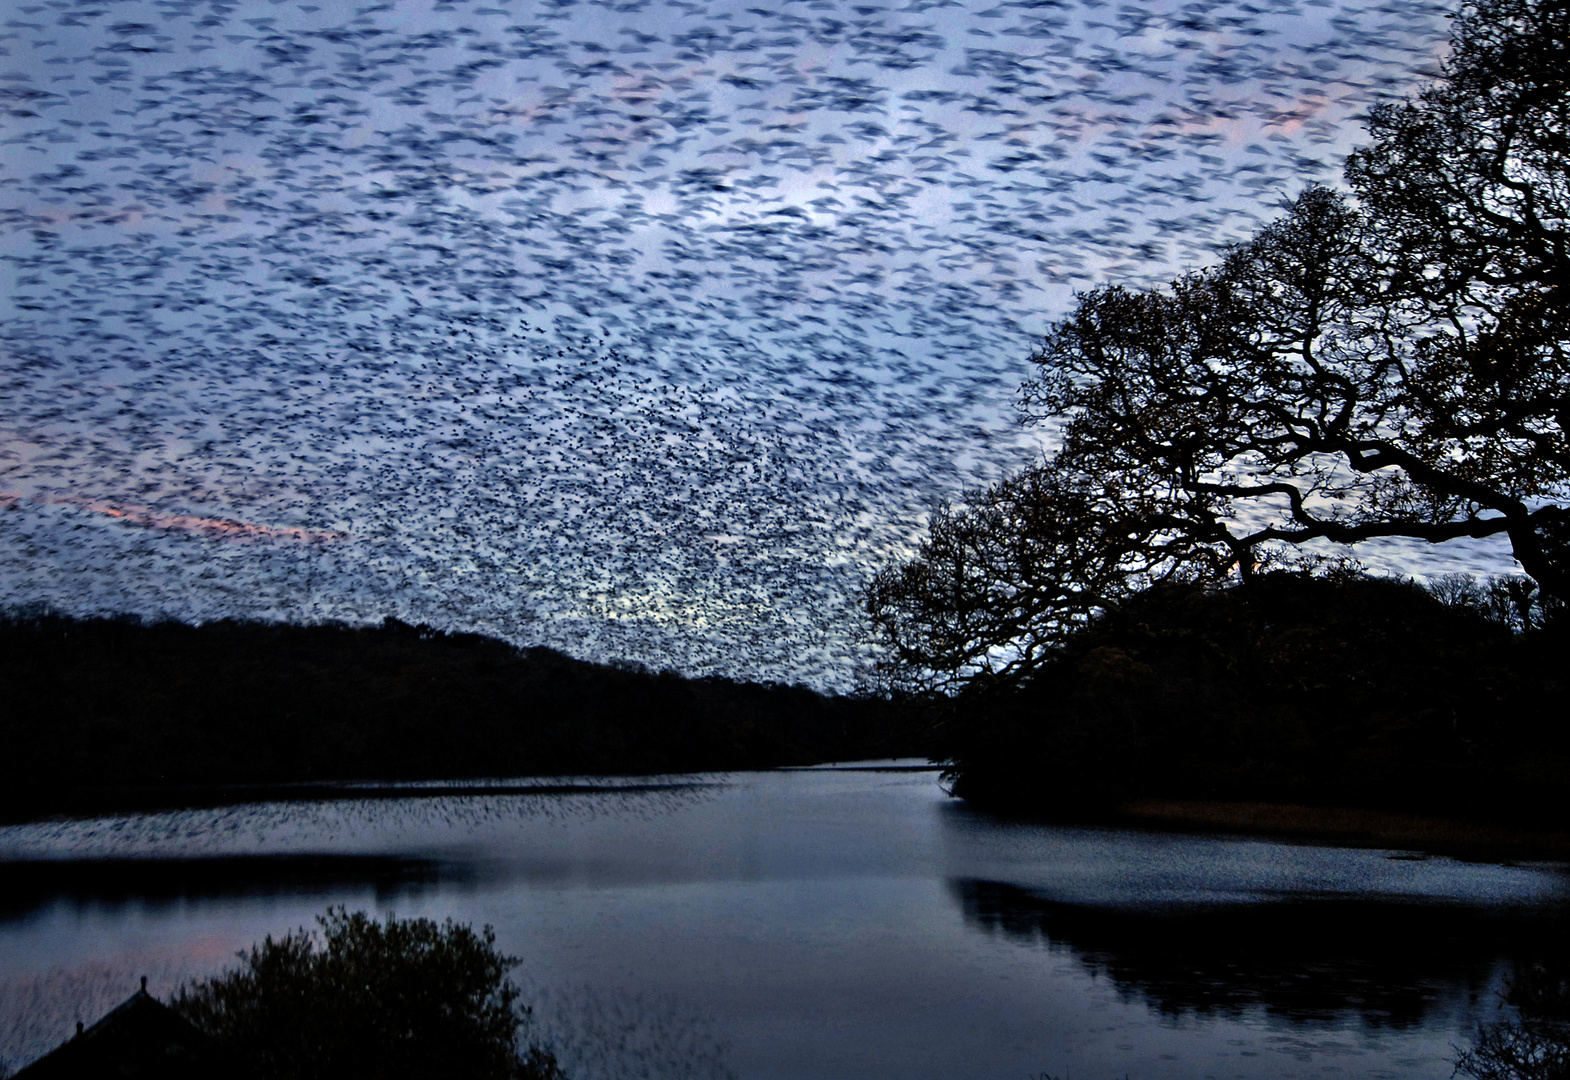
<point x="1391" y="364"/>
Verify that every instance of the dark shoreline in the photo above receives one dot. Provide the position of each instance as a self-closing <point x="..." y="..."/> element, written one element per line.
<point x="110" y="715"/>
<point x="1348" y="827"/>
<point x="1358" y="710"/>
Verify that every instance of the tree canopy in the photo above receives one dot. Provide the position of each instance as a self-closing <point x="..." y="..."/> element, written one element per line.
<point x="408" y="998"/>
<point x="1389" y="362"/>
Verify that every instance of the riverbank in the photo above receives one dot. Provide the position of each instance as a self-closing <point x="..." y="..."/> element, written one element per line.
<point x="1254" y="708"/>
<point x="1349" y="827"/>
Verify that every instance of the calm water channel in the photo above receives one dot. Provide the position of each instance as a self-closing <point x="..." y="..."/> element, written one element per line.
<point x="814" y="923"/>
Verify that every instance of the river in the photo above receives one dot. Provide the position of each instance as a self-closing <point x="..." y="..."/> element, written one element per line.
<point x="820" y="923"/>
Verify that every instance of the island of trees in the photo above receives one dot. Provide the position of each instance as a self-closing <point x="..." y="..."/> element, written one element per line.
<point x="1159" y="609"/>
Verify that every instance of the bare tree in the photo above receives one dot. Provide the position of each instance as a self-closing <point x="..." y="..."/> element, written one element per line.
<point x="1000" y="580"/>
<point x="1393" y="365"/>
<point x="1534" y="1042"/>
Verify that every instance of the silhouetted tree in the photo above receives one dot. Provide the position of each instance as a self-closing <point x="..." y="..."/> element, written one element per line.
<point x="1333" y="689"/>
<point x="998" y="584"/>
<point x="1396" y="366"/>
<point x="1511" y="600"/>
<point x="1534" y="1044"/>
<point x="408" y="998"/>
<point x="1468" y="188"/>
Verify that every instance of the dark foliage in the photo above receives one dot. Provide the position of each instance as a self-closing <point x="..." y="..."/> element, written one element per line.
<point x="99" y="705"/>
<point x="1000" y="584"/>
<point x="403" y="999"/>
<point x="1343" y="690"/>
<point x="1397" y="364"/>
<point x="1511" y="600"/>
<point x="1534" y="1042"/>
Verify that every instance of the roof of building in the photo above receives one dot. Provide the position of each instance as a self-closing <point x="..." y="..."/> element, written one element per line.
<point x="141" y="1038"/>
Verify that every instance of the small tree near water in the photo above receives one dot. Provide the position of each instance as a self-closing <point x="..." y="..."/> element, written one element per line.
<point x="408" y="998"/>
<point x="1535" y="1044"/>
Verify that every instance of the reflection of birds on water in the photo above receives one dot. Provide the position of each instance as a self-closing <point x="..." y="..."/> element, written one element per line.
<point x="638" y="331"/>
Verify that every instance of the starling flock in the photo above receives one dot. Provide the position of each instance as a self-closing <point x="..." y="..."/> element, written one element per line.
<point x="642" y="329"/>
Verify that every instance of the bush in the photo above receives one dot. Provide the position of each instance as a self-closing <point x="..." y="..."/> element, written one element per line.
<point x="1535" y="1044"/>
<point x="406" y="998"/>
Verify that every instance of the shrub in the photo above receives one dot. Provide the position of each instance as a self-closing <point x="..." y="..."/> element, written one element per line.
<point x="408" y="998"/>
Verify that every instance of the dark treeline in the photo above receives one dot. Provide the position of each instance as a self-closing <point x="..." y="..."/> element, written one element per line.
<point x="1335" y="691"/>
<point x="98" y="710"/>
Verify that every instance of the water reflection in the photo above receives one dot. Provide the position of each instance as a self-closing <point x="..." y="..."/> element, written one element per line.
<point x="1532" y="1041"/>
<point x="1306" y="960"/>
<point x="615" y="1035"/>
<point x="86" y="805"/>
<point x="354" y="817"/>
<point x="155" y="882"/>
<point x="811" y="924"/>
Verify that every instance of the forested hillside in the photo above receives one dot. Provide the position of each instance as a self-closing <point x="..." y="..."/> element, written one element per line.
<point x="98" y="706"/>
<point x="1349" y="691"/>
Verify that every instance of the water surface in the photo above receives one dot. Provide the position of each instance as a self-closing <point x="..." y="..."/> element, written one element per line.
<point x="811" y="923"/>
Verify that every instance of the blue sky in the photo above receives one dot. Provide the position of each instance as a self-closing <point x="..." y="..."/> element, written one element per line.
<point x="642" y="330"/>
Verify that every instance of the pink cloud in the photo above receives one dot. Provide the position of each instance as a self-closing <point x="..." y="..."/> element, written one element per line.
<point x="211" y="527"/>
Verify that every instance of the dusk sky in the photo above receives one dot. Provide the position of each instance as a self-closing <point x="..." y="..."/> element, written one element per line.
<point x="641" y="330"/>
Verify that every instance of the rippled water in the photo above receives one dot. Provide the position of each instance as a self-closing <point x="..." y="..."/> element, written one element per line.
<point x="811" y="923"/>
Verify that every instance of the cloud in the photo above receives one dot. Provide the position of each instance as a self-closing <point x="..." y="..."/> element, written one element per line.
<point x="213" y="528"/>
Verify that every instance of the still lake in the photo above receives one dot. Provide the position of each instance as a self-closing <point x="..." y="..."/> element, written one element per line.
<point x="816" y="923"/>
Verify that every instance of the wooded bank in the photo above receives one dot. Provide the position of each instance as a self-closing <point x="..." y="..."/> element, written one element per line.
<point x="103" y="713"/>
<point x="1351" y="692"/>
